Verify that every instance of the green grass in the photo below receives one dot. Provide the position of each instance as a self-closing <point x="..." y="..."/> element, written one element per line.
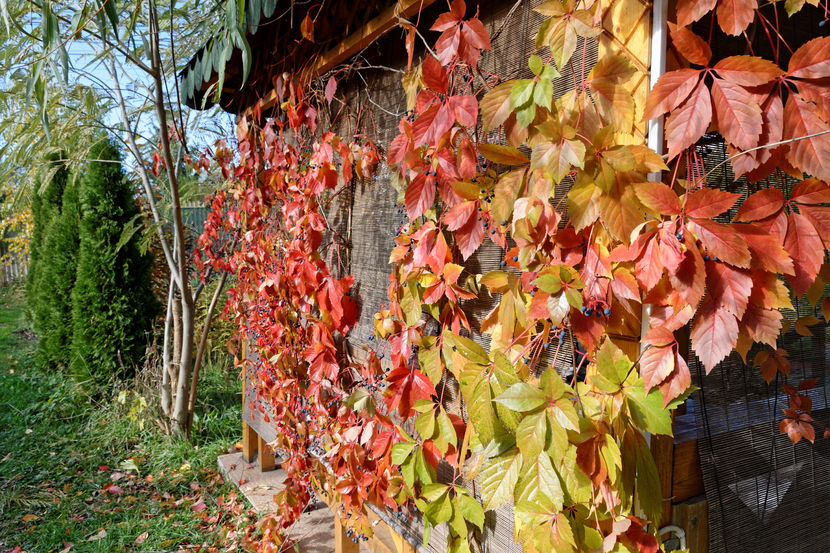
<point x="59" y="448"/>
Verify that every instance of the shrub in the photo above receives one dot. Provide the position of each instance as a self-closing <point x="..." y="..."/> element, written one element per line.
<point x="113" y="304"/>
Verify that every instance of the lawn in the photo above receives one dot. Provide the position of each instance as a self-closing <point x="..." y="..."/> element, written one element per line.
<point x="79" y="473"/>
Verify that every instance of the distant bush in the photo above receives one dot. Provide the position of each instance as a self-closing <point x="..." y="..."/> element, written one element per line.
<point x="113" y="304"/>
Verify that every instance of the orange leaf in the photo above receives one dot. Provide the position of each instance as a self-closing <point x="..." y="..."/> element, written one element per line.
<point x="807" y="154"/>
<point x="670" y="91"/>
<point x="738" y="115"/>
<point x="762" y="325"/>
<point x="690" y="45"/>
<point x="721" y="241"/>
<point x="677" y="382"/>
<point x="734" y="16"/>
<point x="747" y="70"/>
<point x="307" y="28"/>
<point x="709" y="202"/>
<point x="767" y="252"/>
<point x="686" y="124"/>
<point x="689" y="11"/>
<point x="656" y="364"/>
<point x="658" y="198"/>
<point x="30" y="518"/>
<point x="811" y="60"/>
<point x="804" y="246"/>
<point x="760" y="205"/>
<point x="728" y="287"/>
<point x="714" y="334"/>
<point x="811" y="191"/>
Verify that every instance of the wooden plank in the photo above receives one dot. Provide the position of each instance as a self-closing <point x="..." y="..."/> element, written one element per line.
<point x="662" y="448"/>
<point x="249" y="442"/>
<point x="693" y="517"/>
<point x="687" y="478"/>
<point x="354" y="43"/>
<point x="267" y="460"/>
<point x="342" y="542"/>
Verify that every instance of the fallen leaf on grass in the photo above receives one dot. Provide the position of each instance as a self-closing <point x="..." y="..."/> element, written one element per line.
<point x="67" y="548"/>
<point x="28" y="431"/>
<point x="141" y="537"/>
<point x="200" y="506"/>
<point x="99" y="536"/>
<point x="7" y="457"/>
<point x="103" y="468"/>
<point x="30" y="518"/>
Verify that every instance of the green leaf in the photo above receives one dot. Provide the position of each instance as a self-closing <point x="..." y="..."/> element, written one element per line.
<point x="521" y="93"/>
<point x="649" y="490"/>
<point x="574" y="298"/>
<point x="535" y="63"/>
<point x="549" y="283"/>
<point x="401" y="451"/>
<point x="471" y="510"/>
<point x="467" y="348"/>
<point x="425" y="425"/>
<point x="543" y="93"/>
<point x="539" y="477"/>
<point x="530" y="435"/>
<point x="647" y="411"/>
<point x="498" y="479"/>
<point x="480" y="411"/>
<point x="522" y="397"/>
<point x="439" y="511"/>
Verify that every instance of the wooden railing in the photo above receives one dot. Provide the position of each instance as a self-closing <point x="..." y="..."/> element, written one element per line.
<point x="13" y="271"/>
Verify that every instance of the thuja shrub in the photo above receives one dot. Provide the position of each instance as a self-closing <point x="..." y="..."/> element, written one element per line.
<point x="57" y="279"/>
<point x="112" y="302"/>
<point x="46" y="206"/>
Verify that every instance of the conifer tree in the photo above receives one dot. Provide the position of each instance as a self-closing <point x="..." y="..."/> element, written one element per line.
<point x="113" y="304"/>
<point x="46" y="206"/>
<point x="59" y="268"/>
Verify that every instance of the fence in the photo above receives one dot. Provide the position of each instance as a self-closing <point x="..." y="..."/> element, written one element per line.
<point x="12" y="271"/>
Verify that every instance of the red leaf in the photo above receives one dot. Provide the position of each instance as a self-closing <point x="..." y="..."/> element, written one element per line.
<point x="728" y="287"/>
<point x="734" y="16"/>
<point x="405" y="388"/>
<point x="690" y="278"/>
<point x="747" y="70"/>
<point x="689" y="11"/>
<point x="686" y="124"/>
<point x="689" y="45"/>
<point x="670" y="91"/>
<point x="714" y="334"/>
<point x="811" y="60"/>
<point x="658" y="198"/>
<point x="656" y="364"/>
<point x="738" y="115"/>
<point x="465" y="109"/>
<point x="760" y="205"/>
<point x="459" y="214"/>
<point x="804" y="246"/>
<point x="200" y="506"/>
<point x="811" y="191"/>
<point x="474" y="32"/>
<point x="769" y="292"/>
<point x="649" y="269"/>
<point x="677" y="382"/>
<point x="807" y="154"/>
<point x="469" y="237"/>
<point x="767" y="251"/>
<point x="434" y="75"/>
<point x="721" y="241"/>
<point x="762" y="325"/>
<point x="114" y="489"/>
<point x="419" y="196"/>
<point x="331" y="88"/>
<point x="819" y="216"/>
<point x="307" y="28"/>
<point x="709" y="202"/>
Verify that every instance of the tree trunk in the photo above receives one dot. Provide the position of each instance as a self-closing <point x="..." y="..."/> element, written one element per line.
<point x="166" y="380"/>
<point x="180" y="411"/>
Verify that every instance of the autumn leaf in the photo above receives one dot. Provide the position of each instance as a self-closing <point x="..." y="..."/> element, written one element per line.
<point x="807" y="154"/>
<point x="747" y="70"/>
<point x="737" y="114"/>
<point x="505" y="155"/>
<point x="734" y="16"/>
<point x="307" y="28"/>
<point x="714" y="333"/>
<point x="807" y="251"/>
<point x="670" y="91"/>
<point x="721" y="241"/>
<point x="686" y="124"/>
<point x="656" y="364"/>
<point x="709" y="202"/>
<point x="811" y="60"/>
<point x="658" y="198"/>
<point x="495" y="106"/>
<point x="729" y="287"/>
<point x="689" y="11"/>
<point x="689" y="45"/>
<point x="760" y="205"/>
<point x="811" y="191"/>
<point x="419" y="196"/>
<point x="30" y="518"/>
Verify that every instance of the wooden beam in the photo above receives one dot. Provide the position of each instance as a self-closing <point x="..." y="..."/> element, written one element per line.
<point x="267" y="460"/>
<point x="354" y="43"/>
<point x="342" y="542"/>
<point x="373" y="30"/>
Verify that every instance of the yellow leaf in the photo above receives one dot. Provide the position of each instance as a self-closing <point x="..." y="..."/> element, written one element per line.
<point x="30" y="518"/>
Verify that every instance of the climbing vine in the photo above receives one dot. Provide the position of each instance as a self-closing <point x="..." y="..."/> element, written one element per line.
<point x="565" y="188"/>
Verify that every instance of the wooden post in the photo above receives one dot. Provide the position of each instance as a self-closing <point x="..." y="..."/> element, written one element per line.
<point x="342" y="542"/>
<point x="267" y="460"/>
<point x="249" y="442"/>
